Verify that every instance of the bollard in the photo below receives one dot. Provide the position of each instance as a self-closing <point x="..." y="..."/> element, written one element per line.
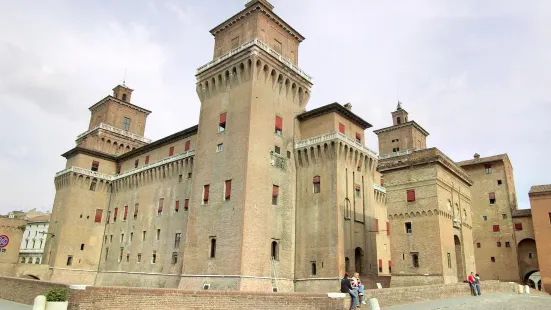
<point x="527" y="289"/>
<point x="39" y="302"/>
<point x="374" y="304"/>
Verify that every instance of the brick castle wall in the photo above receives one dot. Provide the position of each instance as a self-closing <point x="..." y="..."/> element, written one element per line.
<point x="24" y="290"/>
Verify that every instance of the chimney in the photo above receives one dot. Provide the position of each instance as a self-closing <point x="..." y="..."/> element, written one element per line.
<point x="348" y="106"/>
<point x="476" y="156"/>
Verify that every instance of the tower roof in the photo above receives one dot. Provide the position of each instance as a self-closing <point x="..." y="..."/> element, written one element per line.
<point x="337" y="108"/>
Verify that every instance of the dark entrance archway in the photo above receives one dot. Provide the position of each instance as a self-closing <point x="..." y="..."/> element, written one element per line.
<point x="358" y="259"/>
<point x="460" y="268"/>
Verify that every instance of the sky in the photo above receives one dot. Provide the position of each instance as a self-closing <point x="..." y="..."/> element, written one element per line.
<point x="475" y="74"/>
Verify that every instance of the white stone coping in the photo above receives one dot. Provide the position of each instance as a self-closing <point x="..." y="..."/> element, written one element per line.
<point x="336" y="136"/>
<point x="379" y="188"/>
<point x="336" y="295"/>
<point x="116" y="130"/>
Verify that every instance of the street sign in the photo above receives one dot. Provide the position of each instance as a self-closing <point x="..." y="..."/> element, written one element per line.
<point x="4" y="240"/>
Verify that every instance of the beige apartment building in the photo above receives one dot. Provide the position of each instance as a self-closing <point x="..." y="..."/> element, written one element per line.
<point x="428" y="205"/>
<point x="261" y="195"/>
<point x="540" y="202"/>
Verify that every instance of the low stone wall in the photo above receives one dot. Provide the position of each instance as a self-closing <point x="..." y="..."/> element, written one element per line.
<point x="24" y="290"/>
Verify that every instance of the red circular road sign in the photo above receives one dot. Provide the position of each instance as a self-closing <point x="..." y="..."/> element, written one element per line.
<point x="4" y="240"/>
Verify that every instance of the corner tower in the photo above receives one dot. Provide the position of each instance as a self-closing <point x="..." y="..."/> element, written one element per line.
<point x="241" y="233"/>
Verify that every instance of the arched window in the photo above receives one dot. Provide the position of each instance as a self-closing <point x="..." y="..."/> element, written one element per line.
<point x="275" y="250"/>
<point x="314" y="271"/>
<point x="123" y="97"/>
<point x="346" y="264"/>
<point x="398" y="120"/>
<point x="37" y="260"/>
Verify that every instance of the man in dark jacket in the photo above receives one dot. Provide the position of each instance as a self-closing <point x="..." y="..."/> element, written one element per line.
<point x="346" y="287"/>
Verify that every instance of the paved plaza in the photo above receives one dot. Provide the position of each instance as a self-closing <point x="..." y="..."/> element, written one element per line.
<point x="10" y="305"/>
<point x="501" y="301"/>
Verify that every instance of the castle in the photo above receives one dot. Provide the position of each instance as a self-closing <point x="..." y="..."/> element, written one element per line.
<point x="262" y="194"/>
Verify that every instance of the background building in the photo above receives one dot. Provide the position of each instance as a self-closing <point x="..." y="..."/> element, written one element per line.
<point x="540" y="202"/>
<point x="34" y="240"/>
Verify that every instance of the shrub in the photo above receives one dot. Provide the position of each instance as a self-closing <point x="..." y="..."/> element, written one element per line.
<point x="57" y="294"/>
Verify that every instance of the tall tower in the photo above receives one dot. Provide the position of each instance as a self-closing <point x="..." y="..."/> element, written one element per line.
<point x="242" y="209"/>
<point x="83" y="188"/>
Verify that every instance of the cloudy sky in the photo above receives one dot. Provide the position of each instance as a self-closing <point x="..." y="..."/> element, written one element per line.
<point x="475" y="74"/>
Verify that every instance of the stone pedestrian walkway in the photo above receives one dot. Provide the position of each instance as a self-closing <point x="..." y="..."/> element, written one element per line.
<point x="10" y="305"/>
<point x="501" y="301"/>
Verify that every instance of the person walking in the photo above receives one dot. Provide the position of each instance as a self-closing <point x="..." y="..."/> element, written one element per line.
<point x="471" y="283"/>
<point x="359" y="288"/>
<point x="477" y="284"/>
<point x="346" y="287"/>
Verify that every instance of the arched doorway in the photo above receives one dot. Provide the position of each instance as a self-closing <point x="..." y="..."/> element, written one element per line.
<point x="358" y="259"/>
<point x="527" y="259"/>
<point x="459" y="259"/>
<point x="533" y="279"/>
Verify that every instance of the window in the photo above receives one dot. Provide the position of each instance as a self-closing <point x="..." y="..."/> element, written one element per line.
<point x="488" y="168"/>
<point x="177" y="206"/>
<point x="212" y="247"/>
<point x="222" y="123"/>
<point x="275" y="250"/>
<point x="549" y="217"/>
<point x="478" y="245"/>
<point x="408" y="228"/>
<point x="358" y="138"/>
<point x="95" y="165"/>
<point x="120" y="255"/>
<point x="118" y="169"/>
<point x="177" y="240"/>
<point x="389" y="266"/>
<point x="411" y="195"/>
<point x="99" y="214"/>
<point x="171" y="151"/>
<point x="380" y="265"/>
<point x="275" y="194"/>
<point x="127" y="257"/>
<point x="136" y="208"/>
<point x="498" y="182"/>
<point x="111" y="239"/>
<point x="115" y="214"/>
<point x="415" y="259"/>
<point x="531" y="255"/>
<point x="493" y="259"/>
<point x="388" y="228"/>
<point x="278" y="125"/>
<point x="484" y="217"/>
<point x="122" y="238"/>
<point x="125" y="215"/>
<point x="395" y="149"/>
<point x="504" y="216"/>
<point x="139" y="257"/>
<point x="377" y="225"/>
<point x="492" y="197"/>
<point x="93" y="185"/>
<point x="277" y="149"/>
<point x="205" y="194"/>
<point x="186" y="204"/>
<point x="449" y="260"/>
<point x="357" y="190"/>
<point x="143" y="235"/>
<point x="158" y="236"/>
<point x="220" y="147"/>
<point x="518" y="226"/>
<point x="189" y="175"/>
<point x="398" y="120"/>
<point x="126" y="120"/>
<point x="289" y="154"/>
<point x="160" y="208"/>
<point x="69" y="260"/>
<point x="341" y="128"/>
<point x="154" y="257"/>
<point x="499" y="244"/>
<point x="136" y="163"/>
<point x="187" y="146"/>
<point x="507" y="244"/>
<point x="131" y="236"/>
<point x="314" y="271"/>
<point x="174" y="258"/>
<point x="180" y="177"/>
<point x="106" y="253"/>
<point x="147" y="159"/>
<point x="227" y="190"/>
<point x="316" y="184"/>
<point x="496" y="228"/>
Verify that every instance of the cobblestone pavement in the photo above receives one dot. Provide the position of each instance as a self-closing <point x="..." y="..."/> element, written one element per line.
<point x="501" y="301"/>
<point x="10" y="305"/>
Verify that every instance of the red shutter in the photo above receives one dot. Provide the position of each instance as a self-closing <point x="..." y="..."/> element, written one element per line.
<point x="171" y="151"/>
<point x="108" y="216"/>
<point x="380" y="263"/>
<point x="487" y="166"/>
<point x="125" y="212"/>
<point x="496" y="228"/>
<point x="275" y="191"/>
<point x="161" y="203"/>
<point x="492" y="195"/>
<point x="186" y="148"/>
<point x="118" y="169"/>
<point x="223" y="118"/>
<point x="228" y="189"/>
<point x="136" y="163"/>
<point x="147" y="159"/>
<point x="358" y="136"/>
<point x="206" y="193"/>
<point x="316" y="180"/>
<point x="99" y="214"/>
<point x="411" y="195"/>
<point x="376" y="224"/>
<point x="279" y="123"/>
<point x="177" y="205"/>
<point x="389" y="264"/>
<point x="357" y="187"/>
<point x="518" y="226"/>
<point x="95" y="164"/>
<point x="115" y="214"/>
<point x="388" y="228"/>
<point x="341" y="128"/>
<point x="186" y="204"/>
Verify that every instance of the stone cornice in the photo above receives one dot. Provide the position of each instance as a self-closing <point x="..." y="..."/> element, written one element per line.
<point x="262" y="8"/>
<point x="477" y="161"/>
<point x="410" y="123"/>
<point x="94" y="153"/>
<point x="337" y="108"/>
<point x="128" y="104"/>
